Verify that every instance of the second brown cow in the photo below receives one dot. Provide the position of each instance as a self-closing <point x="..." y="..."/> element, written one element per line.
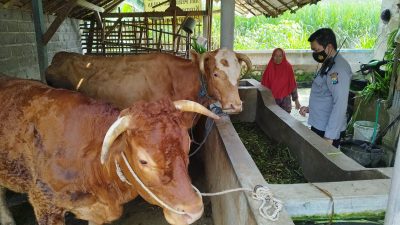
<point x="122" y="80"/>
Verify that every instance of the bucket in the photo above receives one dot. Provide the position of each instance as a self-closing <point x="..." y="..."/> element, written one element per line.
<point x="189" y="24"/>
<point x="363" y="130"/>
<point x="362" y="152"/>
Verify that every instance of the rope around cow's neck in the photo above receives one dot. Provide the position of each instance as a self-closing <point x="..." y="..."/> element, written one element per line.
<point x="208" y="127"/>
<point x="260" y="193"/>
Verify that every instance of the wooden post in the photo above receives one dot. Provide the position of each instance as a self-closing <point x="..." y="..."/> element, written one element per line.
<point x="38" y="19"/>
<point x="209" y="24"/>
<point x="392" y="216"/>
<point x="90" y="37"/>
<point x="227" y="23"/>
<point x="58" y="21"/>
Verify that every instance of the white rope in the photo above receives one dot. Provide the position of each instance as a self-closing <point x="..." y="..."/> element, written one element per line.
<point x="164" y="205"/>
<point x="260" y="193"/>
<point x="269" y="203"/>
<point x="269" y="209"/>
<point x="120" y="173"/>
<point x="227" y="191"/>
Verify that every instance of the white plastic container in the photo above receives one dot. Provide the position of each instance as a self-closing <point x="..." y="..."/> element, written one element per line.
<point x="363" y="130"/>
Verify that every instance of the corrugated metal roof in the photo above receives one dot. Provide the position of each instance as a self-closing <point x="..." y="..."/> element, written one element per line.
<point x="53" y="7"/>
<point x="271" y="8"/>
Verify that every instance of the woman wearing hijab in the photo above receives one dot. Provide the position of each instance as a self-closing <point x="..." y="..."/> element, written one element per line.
<point x="279" y="78"/>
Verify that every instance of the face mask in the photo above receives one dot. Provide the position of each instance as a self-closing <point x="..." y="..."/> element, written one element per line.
<point x="319" y="56"/>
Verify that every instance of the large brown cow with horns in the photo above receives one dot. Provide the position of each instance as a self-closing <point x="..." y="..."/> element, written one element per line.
<point x="123" y="80"/>
<point x="51" y="143"/>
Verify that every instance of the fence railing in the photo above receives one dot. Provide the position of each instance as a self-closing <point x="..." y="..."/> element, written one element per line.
<point x="127" y="34"/>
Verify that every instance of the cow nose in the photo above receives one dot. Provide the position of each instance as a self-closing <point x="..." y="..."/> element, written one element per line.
<point x="237" y="107"/>
<point x="192" y="217"/>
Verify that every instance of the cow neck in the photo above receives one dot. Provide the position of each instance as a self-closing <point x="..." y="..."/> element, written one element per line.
<point x="203" y="92"/>
<point x="106" y="176"/>
<point x="120" y="191"/>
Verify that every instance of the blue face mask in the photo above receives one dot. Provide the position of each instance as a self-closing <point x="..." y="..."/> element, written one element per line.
<point x="320" y="56"/>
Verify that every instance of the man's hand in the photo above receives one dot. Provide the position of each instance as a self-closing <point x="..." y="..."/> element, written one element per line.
<point x="303" y="110"/>
<point x="297" y="104"/>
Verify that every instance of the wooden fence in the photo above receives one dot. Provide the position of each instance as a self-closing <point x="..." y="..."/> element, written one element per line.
<point x="138" y="33"/>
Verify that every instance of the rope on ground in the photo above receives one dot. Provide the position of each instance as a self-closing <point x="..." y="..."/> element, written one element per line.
<point x="270" y="206"/>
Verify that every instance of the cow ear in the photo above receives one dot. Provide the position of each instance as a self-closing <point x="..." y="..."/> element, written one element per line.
<point x="194" y="56"/>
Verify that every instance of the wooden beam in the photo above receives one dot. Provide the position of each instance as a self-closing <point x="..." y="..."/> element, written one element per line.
<point x="58" y="21"/>
<point x="110" y="29"/>
<point x="257" y="8"/>
<point x="38" y="19"/>
<point x="90" y="38"/>
<point x="272" y="6"/>
<point x="238" y="9"/>
<point x="83" y="13"/>
<point x="154" y="14"/>
<point x="52" y="6"/>
<point x="244" y="6"/>
<point x="270" y="12"/>
<point x="8" y="3"/>
<point x="113" y="5"/>
<point x="88" y="5"/>
<point x="286" y="5"/>
<point x="108" y="7"/>
<point x="97" y="17"/>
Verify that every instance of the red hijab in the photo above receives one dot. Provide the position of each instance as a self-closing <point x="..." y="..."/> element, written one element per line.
<point x="279" y="78"/>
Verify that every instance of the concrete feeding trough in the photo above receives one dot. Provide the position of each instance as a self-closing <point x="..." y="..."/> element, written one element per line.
<point x="352" y="187"/>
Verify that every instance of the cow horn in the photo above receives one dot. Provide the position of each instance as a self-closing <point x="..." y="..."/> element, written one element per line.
<point x="190" y="106"/>
<point x="117" y="128"/>
<point x="203" y="57"/>
<point x="246" y="59"/>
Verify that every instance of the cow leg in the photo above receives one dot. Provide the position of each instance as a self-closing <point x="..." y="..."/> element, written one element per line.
<point x="46" y="213"/>
<point x="5" y="214"/>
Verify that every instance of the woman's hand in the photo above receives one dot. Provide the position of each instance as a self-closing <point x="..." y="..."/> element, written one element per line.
<point x="297" y="103"/>
<point x="303" y="110"/>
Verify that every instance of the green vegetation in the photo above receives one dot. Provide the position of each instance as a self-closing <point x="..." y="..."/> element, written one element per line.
<point x="380" y="87"/>
<point x="357" y="19"/>
<point x="302" y="79"/>
<point x="371" y="217"/>
<point x="273" y="160"/>
<point x="198" y="47"/>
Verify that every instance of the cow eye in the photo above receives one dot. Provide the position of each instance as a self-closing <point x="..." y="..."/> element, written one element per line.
<point x="143" y="162"/>
<point x="215" y="74"/>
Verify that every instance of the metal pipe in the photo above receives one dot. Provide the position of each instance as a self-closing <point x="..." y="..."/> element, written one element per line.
<point x="227" y="23"/>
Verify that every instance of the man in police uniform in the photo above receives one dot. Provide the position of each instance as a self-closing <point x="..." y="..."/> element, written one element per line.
<point x="330" y="88"/>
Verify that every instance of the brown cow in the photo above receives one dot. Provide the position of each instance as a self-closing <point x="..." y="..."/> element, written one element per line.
<point x="122" y="80"/>
<point x="50" y="146"/>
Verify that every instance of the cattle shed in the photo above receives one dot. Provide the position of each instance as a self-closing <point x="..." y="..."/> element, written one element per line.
<point x="96" y="27"/>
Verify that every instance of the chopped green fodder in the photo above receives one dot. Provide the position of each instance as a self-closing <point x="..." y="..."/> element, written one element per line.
<point x="273" y="160"/>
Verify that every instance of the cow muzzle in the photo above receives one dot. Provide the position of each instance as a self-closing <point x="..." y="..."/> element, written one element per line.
<point x="233" y="108"/>
<point x="191" y="216"/>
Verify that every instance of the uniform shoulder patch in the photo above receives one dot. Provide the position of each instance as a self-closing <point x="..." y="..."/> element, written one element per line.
<point x="334" y="77"/>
